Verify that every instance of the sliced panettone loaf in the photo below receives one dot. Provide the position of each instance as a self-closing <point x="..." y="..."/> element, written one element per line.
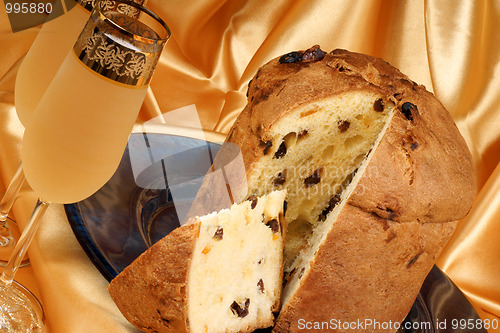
<point x="219" y="273"/>
<point x="376" y="172"/>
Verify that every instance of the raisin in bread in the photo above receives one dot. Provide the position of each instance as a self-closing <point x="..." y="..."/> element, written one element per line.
<point x="376" y="172"/>
<point x="219" y="273"/>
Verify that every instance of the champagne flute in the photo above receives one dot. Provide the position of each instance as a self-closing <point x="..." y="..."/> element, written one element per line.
<point x="48" y="51"/>
<point x="76" y="136"/>
<point x="42" y="61"/>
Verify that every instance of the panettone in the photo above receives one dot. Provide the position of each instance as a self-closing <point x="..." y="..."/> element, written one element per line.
<point x="376" y="172"/>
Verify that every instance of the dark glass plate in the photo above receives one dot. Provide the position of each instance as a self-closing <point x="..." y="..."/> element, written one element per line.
<point x="123" y="219"/>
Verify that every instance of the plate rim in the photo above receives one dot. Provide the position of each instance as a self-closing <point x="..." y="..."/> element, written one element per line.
<point x="73" y="212"/>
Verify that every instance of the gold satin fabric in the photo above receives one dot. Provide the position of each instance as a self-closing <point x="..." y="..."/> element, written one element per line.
<point x="450" y="46"/>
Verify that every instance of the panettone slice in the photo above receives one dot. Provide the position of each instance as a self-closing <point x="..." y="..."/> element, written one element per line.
<point x="218" y="273"/>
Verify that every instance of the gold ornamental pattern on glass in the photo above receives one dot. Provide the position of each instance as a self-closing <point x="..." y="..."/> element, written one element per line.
<point x="89" y="5"/>
<point x="130" y="61"/>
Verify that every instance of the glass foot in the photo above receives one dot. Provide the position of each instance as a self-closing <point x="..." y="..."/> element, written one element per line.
<point x="20" y="310"/>
<point x="8" y="242"/>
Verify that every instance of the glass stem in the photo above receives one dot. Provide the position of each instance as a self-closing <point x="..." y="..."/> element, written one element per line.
<point x="11" y="194"/>
<point x="24" y="242"/>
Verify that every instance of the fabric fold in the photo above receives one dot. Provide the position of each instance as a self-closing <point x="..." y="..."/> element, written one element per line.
<point x="453" y="48"/>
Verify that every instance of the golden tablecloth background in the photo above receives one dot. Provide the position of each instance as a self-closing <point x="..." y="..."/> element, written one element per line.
<point x="450" y="46"/>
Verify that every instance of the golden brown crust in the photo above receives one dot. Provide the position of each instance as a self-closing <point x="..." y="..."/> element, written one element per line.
<point x="152" y="291"/>
<point x="419" y="181"/>
<point x="422" y="169"/>
<point x="368" y="268"/>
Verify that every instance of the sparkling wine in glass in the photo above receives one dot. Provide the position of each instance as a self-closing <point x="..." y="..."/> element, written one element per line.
<point x="46" y="54"/>
<point x="79" y="130"/>
<point x="54" y="40"/>
<point x="37" y="70"/>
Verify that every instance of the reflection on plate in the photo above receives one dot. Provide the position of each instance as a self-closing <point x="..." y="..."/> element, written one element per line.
<point x="122" y="220"/>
